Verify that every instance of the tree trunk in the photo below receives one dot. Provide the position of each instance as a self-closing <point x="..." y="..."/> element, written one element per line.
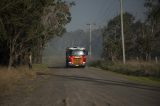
<point x="10" y="62"/>
<point x="12" y="44"/>
<point x="10" y="56"/>
<point x="30" y="60"/>
<point x="146" y="56"/>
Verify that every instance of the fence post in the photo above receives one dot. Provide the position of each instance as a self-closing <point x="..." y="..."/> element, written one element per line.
<point x="156" y="59"/>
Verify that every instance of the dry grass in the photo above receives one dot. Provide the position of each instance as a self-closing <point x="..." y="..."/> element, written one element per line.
<point x="136" y="68"/>
<point x="9" y="79"/>
<point x="138" y="71"/>
<point x="140" y="63"/>
<point x="140" y="68"/>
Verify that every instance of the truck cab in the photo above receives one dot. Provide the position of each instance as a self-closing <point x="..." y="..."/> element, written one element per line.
<point x="76" y="57"/>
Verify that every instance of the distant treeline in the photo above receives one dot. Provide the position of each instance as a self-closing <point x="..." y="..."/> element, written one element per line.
<point x="27" y="25"/>
<point x="142" y="39"/>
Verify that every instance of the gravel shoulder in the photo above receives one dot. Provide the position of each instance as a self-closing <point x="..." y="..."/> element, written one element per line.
<point x="85" y="87"/>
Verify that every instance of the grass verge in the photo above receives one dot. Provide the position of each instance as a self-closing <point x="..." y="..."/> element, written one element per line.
<point x="143" y="72"/>
<point x="11" y="79"/>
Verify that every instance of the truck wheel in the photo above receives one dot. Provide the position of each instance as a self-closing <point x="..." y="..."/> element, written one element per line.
<point x="67" y="65"/>
<point x="82" y="66"/>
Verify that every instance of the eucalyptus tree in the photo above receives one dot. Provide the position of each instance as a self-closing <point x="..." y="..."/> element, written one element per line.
<point x="112" y="37"/>
<point x="153" y="22"/>
<point x="26" y="25"/>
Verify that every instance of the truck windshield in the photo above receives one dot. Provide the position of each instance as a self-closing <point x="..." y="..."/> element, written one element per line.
<point x="77" y="53"/>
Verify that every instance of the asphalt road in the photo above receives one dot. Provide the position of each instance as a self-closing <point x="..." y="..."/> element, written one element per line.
<point x="89" y="87"/>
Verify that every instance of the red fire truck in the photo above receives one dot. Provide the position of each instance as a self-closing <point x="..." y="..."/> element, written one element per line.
<point x="76" y="57"/>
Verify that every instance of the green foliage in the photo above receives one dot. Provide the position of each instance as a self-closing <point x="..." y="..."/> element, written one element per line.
<point x="141" y="39"/>
<point x="153" y="21"/>
<point x="26" y="26"/>
<point x="153" y="7"/>
<point x="112" y="37"/>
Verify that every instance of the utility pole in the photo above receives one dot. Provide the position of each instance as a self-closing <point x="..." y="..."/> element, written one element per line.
<point x="90" y="41"/>
<point x="122" y="32"/>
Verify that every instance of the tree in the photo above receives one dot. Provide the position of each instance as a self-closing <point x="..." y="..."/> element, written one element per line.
<point x="112" y="37"/>
<point x="153" y="23"/>
<point x="141" y="39"/>
<point x="26" y="25"/>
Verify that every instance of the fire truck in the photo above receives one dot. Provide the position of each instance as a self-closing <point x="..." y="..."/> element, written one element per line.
<point x="76" y="57"/>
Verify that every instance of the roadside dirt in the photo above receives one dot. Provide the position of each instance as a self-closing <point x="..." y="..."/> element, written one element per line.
<point x="83" y="87"/>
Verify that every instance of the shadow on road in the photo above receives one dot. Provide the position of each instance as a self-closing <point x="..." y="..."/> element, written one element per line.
<point x="111" y="82"/>
<point x="63" y="67"/>
<point x="56" y="67"/>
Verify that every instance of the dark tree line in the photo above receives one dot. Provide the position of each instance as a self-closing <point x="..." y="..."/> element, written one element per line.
<point x="27" y="25"/>
<point x="142" y="39"/>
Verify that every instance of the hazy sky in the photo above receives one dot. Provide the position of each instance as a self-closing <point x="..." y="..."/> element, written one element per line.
<point x="100" y="12"/>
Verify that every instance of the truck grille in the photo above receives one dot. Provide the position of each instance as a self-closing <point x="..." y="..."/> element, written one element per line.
<point x="77" y="61"/>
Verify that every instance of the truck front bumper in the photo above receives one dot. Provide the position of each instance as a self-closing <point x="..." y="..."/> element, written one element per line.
<point x="76" y="65"/>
